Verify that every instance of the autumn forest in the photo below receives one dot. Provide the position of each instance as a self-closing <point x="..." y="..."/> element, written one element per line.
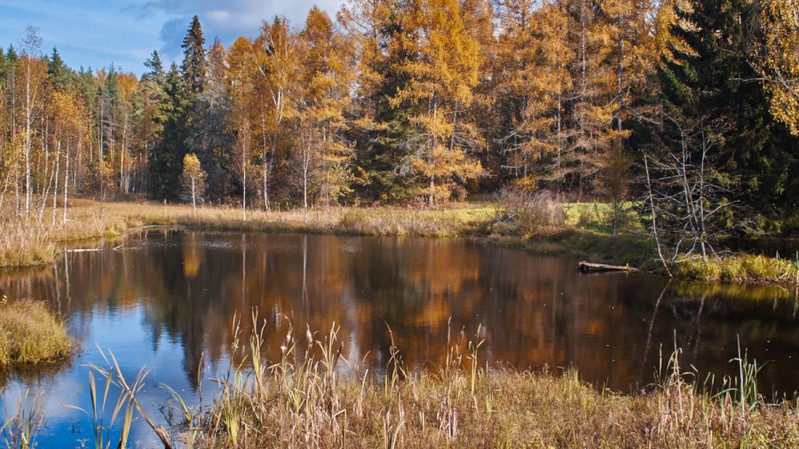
<point x="685" y="108"/>
<point x="169" y="217"/>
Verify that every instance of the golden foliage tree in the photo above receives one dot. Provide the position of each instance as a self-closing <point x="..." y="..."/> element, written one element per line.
<point x="534" y="84"/>
<point x="364" y="23"/>
<point x="241" y="68"/>
<point x="192" y="178"/>
<point x="70" y="133"/>
<point x="777" y="58"/>
<point x="274" y="100"/>
<point x="324" y="79"/>
<point x="443" y="75"/>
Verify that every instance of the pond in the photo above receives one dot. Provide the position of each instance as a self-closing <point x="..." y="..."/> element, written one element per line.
<point x="167" y="301"/>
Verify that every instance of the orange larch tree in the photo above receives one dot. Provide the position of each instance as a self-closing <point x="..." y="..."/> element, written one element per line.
<point x="324" y="157"/>
<point x="442" y="79"/>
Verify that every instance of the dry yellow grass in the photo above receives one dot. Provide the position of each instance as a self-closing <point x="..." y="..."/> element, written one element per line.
<point x="305" y="402"/>
<point x="26" y="243"/>
<point x="30" y="333"/>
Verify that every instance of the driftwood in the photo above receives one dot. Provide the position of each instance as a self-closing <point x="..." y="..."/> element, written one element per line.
<point x="587" y="267"/>
<point x="83" y="250"/>
<point x="155" y="226"/>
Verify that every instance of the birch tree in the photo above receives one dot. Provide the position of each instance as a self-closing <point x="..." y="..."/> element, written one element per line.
<point x="31" y="73"/>
<point x="192" y="179"/>
<point x="276" y="70"/>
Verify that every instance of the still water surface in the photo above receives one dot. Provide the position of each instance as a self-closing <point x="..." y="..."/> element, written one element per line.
<point x="167" y="299"/>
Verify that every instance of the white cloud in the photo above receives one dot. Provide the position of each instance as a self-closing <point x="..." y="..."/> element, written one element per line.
<point x="96" y="33"/>
<point x="227" y="20"/>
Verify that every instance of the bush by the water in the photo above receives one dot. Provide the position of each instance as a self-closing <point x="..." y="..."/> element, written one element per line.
<point x="738" y="268"/>
<point x="30" y="333"/>
<point x="524" y="211"/>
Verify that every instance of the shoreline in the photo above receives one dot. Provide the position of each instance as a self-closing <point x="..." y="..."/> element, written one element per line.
<point x="90" y="220"/>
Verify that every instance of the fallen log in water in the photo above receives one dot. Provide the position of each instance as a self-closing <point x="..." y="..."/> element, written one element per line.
<point x="83" y="250"/>
<point x="587" y="267"/>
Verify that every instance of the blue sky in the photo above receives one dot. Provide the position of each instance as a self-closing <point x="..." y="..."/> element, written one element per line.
<point x="97" y="33"/>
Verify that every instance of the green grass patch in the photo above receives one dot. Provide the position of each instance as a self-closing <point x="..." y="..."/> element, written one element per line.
<point x="618" y="249"/>
<point x="738" y="268"/>
<point x="30" y="333"/>
<point x="598" y="216"/>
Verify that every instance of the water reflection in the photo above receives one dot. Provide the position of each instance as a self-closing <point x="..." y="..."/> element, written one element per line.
<point x="167" y="298"/>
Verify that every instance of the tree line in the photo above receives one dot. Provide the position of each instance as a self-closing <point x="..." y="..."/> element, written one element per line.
<point x="691" y="105"/>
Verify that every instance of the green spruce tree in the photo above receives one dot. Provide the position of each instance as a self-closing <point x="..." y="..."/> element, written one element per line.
<point x="183" y="86"/>
<point x="194" y="67"/>
<point x="714" y="106"/>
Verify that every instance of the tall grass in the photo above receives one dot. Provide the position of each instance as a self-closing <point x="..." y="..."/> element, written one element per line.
<point x="31" y="244"/>
<point x="112" y="427"/>
<point x="739" y="268"/>
<point x="20" y="430"/>
<point x="314" y="397"/>
<point x="22" y="246"/>
<point x="302" y="400"/>
<point x="524" y="212"/>
<point x="30" y="333"/>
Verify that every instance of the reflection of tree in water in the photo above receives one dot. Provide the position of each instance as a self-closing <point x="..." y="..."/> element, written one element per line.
<point x="533" y="311"/>
<point x="705" y="324"/>
<point x="40" y="375"/>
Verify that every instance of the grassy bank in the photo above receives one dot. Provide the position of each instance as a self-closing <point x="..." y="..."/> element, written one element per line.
<point x="739" y="268"/>
<point x="25" y="244"/>
<point x="495" y="409"/>
<point x="315" y="399"/>
<point x="507" y="409"/>
<point x="30" y="333"/>
<point x="542" y="227"/>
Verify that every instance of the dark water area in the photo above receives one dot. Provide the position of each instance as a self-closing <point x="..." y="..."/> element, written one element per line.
<point x="167" y="299"/>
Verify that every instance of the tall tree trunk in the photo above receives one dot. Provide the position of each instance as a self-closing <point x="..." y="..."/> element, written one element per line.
<point x="305" y="166"/>
<point x="47" y="181"/>
<point x="100" y="145"/>
<point x="244" y="184"/>
<point x="431" y="156"/>
<point x="654" y="217"/>
<point x="265" y="167"/>
<point x="66" y="186"/>
<point x="78" y="164"/>
<point x="193" y="195"/>
<point x="16" y="192"/>
<point x="265" y="185"/>
<point x="57" y="168"/>
<point x="14" y="141"/>
<point x="28" y="143"/>
<point x="123" y="185"/>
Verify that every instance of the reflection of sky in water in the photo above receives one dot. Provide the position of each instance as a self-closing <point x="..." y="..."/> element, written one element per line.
<point x="123" y="333"/>
<point x="166" y="298"/>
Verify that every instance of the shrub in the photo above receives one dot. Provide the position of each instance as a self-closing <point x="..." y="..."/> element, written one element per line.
<point x="30" y="333"/>
<point x="525" y="211"/>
